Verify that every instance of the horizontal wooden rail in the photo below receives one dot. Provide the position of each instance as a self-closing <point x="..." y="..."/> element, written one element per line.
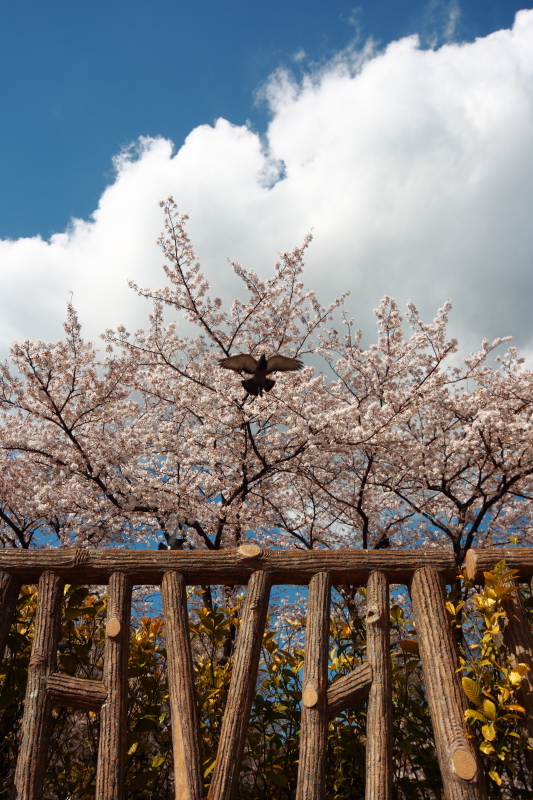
<point x="66" y="690"/>
<point x="349" y="689"/>
<point x="297" y="567"/>
<point x="480" y="561"/>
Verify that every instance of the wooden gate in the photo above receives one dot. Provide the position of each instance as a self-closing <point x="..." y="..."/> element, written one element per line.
<point x="425" y="572"/>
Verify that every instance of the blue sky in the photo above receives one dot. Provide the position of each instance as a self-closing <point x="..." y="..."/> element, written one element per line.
<point x="81" y="80"/>
<point x="410" y="158"/>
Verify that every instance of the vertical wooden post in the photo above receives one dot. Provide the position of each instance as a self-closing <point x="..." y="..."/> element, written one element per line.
<point x="31" y="763"/>
<point x="225" y="780"/>
<point x="518" y="639"/>
<point x="113" y="719"/>
<point x="462" y="776"/>
<point x="314" y="728"/>
<point x="9" y="592"/>
<point x="183" y="705"/>
<point x="379" y="712"/>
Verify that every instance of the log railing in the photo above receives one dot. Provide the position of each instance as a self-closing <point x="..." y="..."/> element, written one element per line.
<point x="425" y="572"/>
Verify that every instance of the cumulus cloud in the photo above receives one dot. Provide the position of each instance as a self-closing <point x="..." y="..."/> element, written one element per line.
<point x="413" y="167"/>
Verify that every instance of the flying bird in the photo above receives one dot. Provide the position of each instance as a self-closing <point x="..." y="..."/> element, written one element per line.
<point x="259" y="369"/>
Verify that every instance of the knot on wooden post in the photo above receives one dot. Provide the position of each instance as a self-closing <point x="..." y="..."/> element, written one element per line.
<point x="249" y="551"/>
<point x="310" y="696"/>
<point x="113" y="627"/>
<point x="464" y="764"/>
<point x="373" y="614"/>
<point x="38" y="660"/>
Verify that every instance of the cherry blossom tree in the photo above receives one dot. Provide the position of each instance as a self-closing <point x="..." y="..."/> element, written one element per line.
<point x="396" y="444"/>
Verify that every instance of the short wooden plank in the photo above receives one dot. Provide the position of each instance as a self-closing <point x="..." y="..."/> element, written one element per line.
<point x="112" y="745"/>
<point x="36" y="722"/>
<point x="226" y="566"/>
<point x="9" y="593"/>
<point x="348" y="690"/>
<point x="461" y="773"/>
<point x="82" y="693"/>
<point x="183" y="705"/>
<point x="379" y="771"/>
<point x="314" y="720"/>
<point x="225" y="782"/>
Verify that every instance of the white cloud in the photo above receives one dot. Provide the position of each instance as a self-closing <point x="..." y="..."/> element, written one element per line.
<point x="413" y="167"/>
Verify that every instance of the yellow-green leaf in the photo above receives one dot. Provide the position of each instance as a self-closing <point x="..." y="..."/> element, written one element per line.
<point x="472" y="690"/>
<point x="157" y="761"/>
<point x="515" y="707"/>
<point x="517" y="673"/>
<point x="409" y="646"/>
<point x="488" y="731"/>
<point x="210" y="768"/>
<point x="489" y="709"/>
<point x="471" y="714"/>
<point x="495" y="777"/>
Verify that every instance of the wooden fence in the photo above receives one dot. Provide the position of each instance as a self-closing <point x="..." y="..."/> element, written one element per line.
<point x="425" y="572"/>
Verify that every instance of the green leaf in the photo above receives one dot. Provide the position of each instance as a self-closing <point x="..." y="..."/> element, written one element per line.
<point x="489" y="731"/>
<point x="495" y="777"/>
<point x="145" y="723"/>
<point x="276" y="777"/>
<point x="472" y="689"/>
<point x="68" y="661"/>
<point x="72" y="613"/>
<point x="489" y="709"/>
<point x="471" y="714"/>
<point x="409" y="646"/>
<point x="210" y="768"/>
<point x="158" y="760"/>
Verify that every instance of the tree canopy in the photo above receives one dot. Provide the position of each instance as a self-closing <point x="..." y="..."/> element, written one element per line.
<point x="399" y="443"/>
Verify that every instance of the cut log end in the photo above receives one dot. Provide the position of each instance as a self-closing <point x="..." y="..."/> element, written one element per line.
<point x="249" y="551"/>
<point x="464" y="764"/>
<point x="113" y="627"/>
<point x="310" y="697"/>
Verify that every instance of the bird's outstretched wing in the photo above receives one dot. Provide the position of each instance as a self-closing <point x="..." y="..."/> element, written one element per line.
<point x="239" y="363"/>
<point x="283" y="364"/>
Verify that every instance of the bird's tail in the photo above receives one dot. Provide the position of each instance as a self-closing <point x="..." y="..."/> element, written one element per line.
<point x="255" y="388"/>
<point x="251" y="386"/>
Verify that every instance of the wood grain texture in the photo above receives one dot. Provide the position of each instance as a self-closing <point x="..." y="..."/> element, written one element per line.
<point x="480" y="561"/>
<point x="144" y="567"/>
<point x="183" y="705"/>
<point x="379" y="711"/>
<point x="225" y="781"/>
<point x="314" y="720"/>
<point x="9" y="593"/>
<point x="518" y="639"/>
<point x="446" y="699"/>
<point x="113" y="719"/>
<point x="31" y="763"/>
<point x="350" y="689"/>
<point x="66" y="690"/>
